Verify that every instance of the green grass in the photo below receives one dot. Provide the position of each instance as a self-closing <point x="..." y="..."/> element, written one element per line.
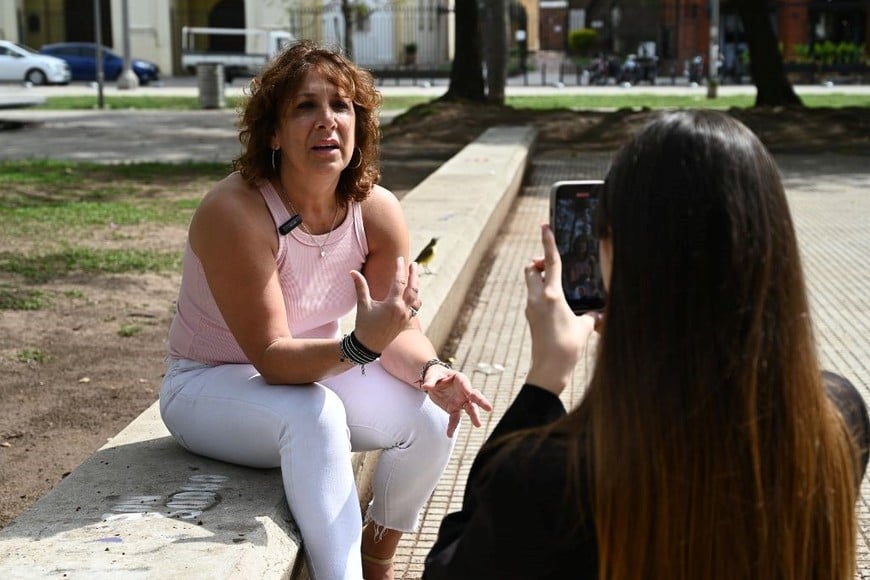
<point x="636" y="98"/>
<point x="42" y="268"/>
<point x="132" y="102"/>
<point x="47" y="206"/>
<point x="58" y="196"/>
<point x="31" y="355"/>
<point x="16" y="298"/>
<point x="653" y="101"/>
<point x="128" y="330"/>
<point x="400" y="103"/>
<point x="66" y="174"/>
<point x="179" y="103"/>
<point x="67" y="216"/>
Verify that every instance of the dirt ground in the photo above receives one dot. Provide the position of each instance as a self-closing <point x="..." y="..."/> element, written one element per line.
<point x="93" y="382"/>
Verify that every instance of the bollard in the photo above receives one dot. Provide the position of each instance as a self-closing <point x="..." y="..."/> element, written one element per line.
<point x="210" y="82"/>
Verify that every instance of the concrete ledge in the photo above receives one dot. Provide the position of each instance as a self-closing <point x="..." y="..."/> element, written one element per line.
<point x="463" y="204"/>
<point x="143" y="508"/>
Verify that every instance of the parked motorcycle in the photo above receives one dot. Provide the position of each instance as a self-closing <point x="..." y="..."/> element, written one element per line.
<point x="695" y="70"/>
<point x="602" y="69"/>
<point x="637" y="69"/>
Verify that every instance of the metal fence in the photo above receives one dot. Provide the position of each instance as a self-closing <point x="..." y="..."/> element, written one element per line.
<point x="384" y="36"/>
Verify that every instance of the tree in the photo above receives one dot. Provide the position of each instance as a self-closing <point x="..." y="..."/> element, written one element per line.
<point x="347" y="13"/>
<point x="466" y="73"/>
<point x="765" y="64"/>
<point x="496" y="50"/>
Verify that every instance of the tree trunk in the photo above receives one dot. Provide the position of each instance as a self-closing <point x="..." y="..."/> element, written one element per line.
<point x="466" y="73"/>
<point x="347" y="12"/>
<point x="497" y="50"/>
<point x="765" y="59"/>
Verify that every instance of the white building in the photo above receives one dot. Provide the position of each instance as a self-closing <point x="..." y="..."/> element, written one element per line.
<point x="383" y="30"/>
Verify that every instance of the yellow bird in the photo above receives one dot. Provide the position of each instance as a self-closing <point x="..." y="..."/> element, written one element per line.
<point x="426" y="255"/>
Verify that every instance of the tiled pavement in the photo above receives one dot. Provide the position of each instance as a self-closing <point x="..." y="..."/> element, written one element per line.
<point x="830" y="201"/>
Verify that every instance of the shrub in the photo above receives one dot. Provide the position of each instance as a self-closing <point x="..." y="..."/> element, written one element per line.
<point x="581" y="40"/>
<point x="825" y="52"/>
<point x="829" y="53"/>
<point x="848" y="53"/>
<point x="802" y="52"/>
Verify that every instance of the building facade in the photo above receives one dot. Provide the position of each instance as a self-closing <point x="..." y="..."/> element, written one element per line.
<point x="420" y="33"/>
<point x="384" y="31"/>
<point x="678" y="30"/>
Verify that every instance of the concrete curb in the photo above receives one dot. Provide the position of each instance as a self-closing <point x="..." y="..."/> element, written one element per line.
<point x="142" y="507"/>
<point x="464" y="203"/>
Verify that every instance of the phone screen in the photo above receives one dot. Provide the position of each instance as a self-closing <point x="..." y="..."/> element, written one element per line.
<point x="572" y="209"/>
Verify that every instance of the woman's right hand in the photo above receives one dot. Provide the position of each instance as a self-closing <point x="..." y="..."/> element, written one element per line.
<point x="558" y="335"/>
<point x="379" y="322"/>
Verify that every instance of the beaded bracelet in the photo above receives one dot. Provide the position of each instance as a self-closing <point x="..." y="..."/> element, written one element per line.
<point x="353" y="351"/>
<point x="429" y="364"/>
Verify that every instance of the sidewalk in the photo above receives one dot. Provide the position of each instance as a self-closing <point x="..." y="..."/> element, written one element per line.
<point x="830" y="201"/>
<point x="186" y="86"/>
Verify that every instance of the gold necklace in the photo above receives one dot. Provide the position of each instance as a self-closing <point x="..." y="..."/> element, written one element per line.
<point x="305" y="228"/>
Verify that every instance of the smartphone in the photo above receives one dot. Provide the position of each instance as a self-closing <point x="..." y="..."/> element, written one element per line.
<point x="572" y="210"/>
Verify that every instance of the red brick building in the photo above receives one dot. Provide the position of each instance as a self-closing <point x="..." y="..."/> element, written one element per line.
<point x="680" y="29"/>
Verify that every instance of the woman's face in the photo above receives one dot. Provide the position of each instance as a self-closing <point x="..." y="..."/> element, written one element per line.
<point x="316" y="128"/>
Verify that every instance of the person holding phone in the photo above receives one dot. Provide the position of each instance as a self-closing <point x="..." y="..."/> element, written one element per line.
<point x="709" y="442"/>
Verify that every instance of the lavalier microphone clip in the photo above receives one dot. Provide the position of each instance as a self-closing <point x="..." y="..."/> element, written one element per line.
<point x="290" y="225"/>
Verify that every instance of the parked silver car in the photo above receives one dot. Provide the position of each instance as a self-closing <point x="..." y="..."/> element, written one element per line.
<point x="19" y="63"/>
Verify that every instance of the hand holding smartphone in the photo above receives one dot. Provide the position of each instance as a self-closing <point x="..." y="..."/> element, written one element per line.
<point x="572" y="210"/>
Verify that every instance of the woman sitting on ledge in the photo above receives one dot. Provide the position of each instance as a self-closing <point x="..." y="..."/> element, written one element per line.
<point x="258" y="373"/>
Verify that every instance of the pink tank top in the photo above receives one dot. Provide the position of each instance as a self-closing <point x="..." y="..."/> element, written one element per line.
<point x="317" y="289"/>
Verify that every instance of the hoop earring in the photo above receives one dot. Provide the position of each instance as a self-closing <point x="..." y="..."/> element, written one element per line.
<point x="274" y="151"/>
<point x="358" y="163"/>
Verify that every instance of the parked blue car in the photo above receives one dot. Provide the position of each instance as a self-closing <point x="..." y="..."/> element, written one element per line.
<point x="82" y="60"/>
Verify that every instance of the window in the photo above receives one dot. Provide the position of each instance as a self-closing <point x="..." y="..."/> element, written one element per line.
<point x="838" y="24"/>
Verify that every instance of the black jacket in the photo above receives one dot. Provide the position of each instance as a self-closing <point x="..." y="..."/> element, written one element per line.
<point x="514" y="523"/>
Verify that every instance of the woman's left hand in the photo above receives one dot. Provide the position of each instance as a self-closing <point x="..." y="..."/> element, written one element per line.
<point x="558" y="335"/>
<point x="452" y="391"/>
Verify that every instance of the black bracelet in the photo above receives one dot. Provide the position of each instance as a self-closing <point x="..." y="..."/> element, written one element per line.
<point x="365" y="350"/>
<point x="353" y="351"/>
<point x="429" y="364"/>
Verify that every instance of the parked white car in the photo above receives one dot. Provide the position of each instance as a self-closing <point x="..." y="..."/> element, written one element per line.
<point x="19" y="63"/>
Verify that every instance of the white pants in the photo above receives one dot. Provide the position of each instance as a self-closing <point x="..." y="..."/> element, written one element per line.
<point x="229" y="413"/>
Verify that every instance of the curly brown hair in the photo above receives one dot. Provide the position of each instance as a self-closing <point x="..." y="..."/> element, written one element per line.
<point x="275" y="85"/>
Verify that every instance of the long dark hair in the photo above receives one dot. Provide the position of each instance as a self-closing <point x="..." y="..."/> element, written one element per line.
<point x="713" y="450"/>
<point x="272" y="89"/>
